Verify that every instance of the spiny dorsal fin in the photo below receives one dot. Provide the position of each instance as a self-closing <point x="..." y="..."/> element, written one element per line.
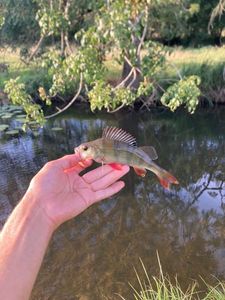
<point x="117" y="134"/>
<point x="150" y="151"/>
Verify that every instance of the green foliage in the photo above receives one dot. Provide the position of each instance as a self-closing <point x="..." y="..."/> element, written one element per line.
<point x="181" y="21"/>
<point x="20" y="25"/>
<point x="120" y="25"/>
<point x="2" y="20"/>
<point x="145" y="88"/>
<point x="100" y="95"/>
<point x="51" y="21"/>
<point x="65" y="73"/>
<point x="197" y="24"/>
<point x="154" y="58"/>
<point x="168" y="19"/>
<point x="184" y="92"/>
<point x="161" y="287"/>
<point x="18" y="95"/>
<point x="104" y="96"/>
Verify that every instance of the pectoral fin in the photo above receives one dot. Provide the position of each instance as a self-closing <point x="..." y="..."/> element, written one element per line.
<point x="116" y="166"/>
<point x="140" y="172"/>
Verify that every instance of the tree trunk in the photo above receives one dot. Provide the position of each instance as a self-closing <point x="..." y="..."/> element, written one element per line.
<point x="62" y="44"/>
<point x="134" y="80"/>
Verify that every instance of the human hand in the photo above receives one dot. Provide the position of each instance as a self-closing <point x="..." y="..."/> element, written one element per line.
<point x="63" y="195"/>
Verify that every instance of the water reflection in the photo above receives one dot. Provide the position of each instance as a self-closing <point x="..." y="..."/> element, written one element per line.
<point x="92" y="256"/>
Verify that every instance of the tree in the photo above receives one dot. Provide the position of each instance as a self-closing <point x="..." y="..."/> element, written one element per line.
<point x="217" y="12"/>
<point x="119" y="28"/>
<point x="198" y="25"/>
<point x="2" y="20"/>
<point x="20" y="25"/>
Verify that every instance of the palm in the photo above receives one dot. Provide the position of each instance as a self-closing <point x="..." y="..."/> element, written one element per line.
<point x="69" y="193"/>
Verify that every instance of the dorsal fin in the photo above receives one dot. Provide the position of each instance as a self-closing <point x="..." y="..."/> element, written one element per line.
<point x="118" y="134"/>
<point x="150" y="151"/>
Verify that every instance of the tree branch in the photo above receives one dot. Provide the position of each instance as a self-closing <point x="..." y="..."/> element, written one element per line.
<point x="176" y="69"/>
<point x="143" y="33"/>
<point x="125" y="79"/>
<point x="217" y="12"/>
<point x="134" y="78"/>
<point x="116" y="109"/>
<point x="36" y="49"/>
<point x="66" y="14"/>
<point x="70" y="103"/>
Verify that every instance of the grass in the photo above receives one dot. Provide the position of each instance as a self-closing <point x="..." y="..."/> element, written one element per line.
<point x="206" y="62"/>
<point x="32" y="75"/>
<point x="161" y="288"/>
<point x="199" y="55"/>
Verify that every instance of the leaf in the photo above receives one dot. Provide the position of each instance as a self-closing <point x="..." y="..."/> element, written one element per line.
<point x="57" y="128"/>
<point x="12" y="132"/>
<point x="3" y="127"/>
<point x="6" y="116"/>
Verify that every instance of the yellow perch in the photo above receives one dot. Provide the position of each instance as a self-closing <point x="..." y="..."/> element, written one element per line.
<point x="117" y="147"/>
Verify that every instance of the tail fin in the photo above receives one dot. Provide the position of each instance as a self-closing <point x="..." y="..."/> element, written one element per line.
<point x="165" y="178"/>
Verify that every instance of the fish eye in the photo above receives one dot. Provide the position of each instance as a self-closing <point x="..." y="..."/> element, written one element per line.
<point x="85" y="148"/>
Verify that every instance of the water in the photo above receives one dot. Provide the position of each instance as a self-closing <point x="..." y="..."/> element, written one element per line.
<point x="93" y="256"/>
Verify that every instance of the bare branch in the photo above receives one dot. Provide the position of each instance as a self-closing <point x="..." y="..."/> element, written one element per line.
<point x="35" y="49"/>
<point x="217" y="12"/>
<point x="129" y="62"/>
<point x="134" y="78"/>
<point x="177" y="70"/>
<point x="71" y="102"/>
<point x="116" y="109"/>
<point x="143" y="33"/>
<point x="125" y="79"/>
<point x="66" y="14"/>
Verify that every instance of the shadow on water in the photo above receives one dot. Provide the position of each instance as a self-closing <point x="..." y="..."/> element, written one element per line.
<point x="92" y="256"/>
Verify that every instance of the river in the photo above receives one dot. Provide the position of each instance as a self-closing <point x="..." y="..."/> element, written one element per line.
<point x="94" y="255"/>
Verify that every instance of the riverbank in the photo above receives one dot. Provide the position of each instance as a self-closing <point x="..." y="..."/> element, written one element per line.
<point x="162" y="287"/>
<point x="206" y="62"/>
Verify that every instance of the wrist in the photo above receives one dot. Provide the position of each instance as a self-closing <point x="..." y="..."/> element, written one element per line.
<point x="34" y="211"/>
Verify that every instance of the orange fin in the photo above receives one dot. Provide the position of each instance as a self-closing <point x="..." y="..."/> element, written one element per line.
<point x="70" y="169"/>
<point x="116" y="166"/>
<point x="165" y="183"/>
<point x="140" y="172"/>
<point x="75" y="168"/>
<point x="166" y="179"/>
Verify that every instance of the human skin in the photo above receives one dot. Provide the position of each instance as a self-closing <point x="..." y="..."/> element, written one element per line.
<point x="53" y="197"/>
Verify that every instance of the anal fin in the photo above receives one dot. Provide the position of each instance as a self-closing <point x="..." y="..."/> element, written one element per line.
<point x="140" y="172"/>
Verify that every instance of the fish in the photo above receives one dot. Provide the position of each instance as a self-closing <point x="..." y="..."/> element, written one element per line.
<point x="117" y="147"/>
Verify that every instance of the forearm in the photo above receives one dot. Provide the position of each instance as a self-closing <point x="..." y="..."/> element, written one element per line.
<point x="23" y="242"/>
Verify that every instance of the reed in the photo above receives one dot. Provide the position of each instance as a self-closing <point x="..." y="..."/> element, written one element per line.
<point x="162" y="288"/>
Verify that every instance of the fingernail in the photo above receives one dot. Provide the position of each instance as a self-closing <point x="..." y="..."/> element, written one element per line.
<point x="126" y="168"/>
<point x="121" y="184"/>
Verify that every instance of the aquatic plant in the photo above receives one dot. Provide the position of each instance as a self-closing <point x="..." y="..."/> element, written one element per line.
<point x="9" y="113"/>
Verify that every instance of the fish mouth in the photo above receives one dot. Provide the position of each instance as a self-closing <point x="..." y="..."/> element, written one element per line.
<point x="77" y="152"/>
<point x="81" y="154"/>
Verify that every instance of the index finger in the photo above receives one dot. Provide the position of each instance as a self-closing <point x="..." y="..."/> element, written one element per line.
<point x="74" y="160"/>
<point x="97" y="173"/>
